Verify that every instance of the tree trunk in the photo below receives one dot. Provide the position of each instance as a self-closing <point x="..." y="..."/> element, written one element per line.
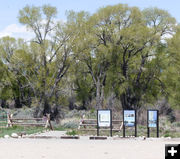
<point x="3" y="103"/>
<point x="102" y="96"/>
<point x="47" y="108"/>
<point x="129" y="100"/>
<point x="99" y="95"/>
<point x="18" y="103"/>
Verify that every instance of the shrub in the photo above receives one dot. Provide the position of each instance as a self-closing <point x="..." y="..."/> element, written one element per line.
<point x="72" y="133"/>
<point x="166" y="135"/>
<point x="71" y="125"/>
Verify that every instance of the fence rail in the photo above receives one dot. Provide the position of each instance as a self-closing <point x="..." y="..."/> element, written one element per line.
<point x="45" y="121"/>
<point x="91" y="125"/>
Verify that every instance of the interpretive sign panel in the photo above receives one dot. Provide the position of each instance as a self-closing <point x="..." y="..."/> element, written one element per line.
<point x="129" y="118"/>
<point x="152" y="121"/>
<point x="104" y="118"/>
<point x="152" y="118"/>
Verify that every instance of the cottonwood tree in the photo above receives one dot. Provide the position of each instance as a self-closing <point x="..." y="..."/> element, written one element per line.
<point x="170" y="75"/>
<point x="120" y="43"/>
<point x="91" y="50"/>
<point x="118" y="49"/>
<point x="83" y="85"/>
<point x="50" y="50"/>
<point x="139" y="57"/>
<point x="14" y="85"/>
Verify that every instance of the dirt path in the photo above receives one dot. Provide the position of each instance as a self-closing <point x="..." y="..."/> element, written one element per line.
<point x="83" y="148"/>
<point x="52" y="133"/>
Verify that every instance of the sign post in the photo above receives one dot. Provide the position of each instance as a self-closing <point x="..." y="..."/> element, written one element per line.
<point x="129" y="120"/>
<point x="152" y="121"/>
<point x="104" y="119"/>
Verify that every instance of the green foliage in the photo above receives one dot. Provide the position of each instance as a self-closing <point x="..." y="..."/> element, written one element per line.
<point x="19" y="129"/>
<point x="92" y="111"/>
<point x="71" y="125"/>
<point x="71" y="133"/>
<point x="122" y="46"/>
<point x="171" y="74"/>
<point x="118" y="50"/>
<point x="49" y="51"/>
<point x="59" y="128"/>
<point x="167" y="135"/>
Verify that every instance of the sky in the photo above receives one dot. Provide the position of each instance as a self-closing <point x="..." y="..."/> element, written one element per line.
<point x="9" y="10"/>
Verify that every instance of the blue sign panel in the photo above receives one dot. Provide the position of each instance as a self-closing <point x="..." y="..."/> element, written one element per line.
<point x="129" y="118"/>
<point x="152" y="118"/>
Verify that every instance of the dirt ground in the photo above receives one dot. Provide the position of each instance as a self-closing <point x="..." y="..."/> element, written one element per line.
<point x="84" y="148"/>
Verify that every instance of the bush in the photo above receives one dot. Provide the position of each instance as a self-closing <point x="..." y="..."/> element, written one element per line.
<point x="72" y="133"/>
<point x="166" y="135"/>
<point x="92" y="111"/>
<point x="178" y="124"/>
<point x="71" y="125"/>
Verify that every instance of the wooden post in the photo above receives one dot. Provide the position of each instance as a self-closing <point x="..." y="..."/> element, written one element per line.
<point x="121" y="126"/>
<point x="9" y="120"/>
<point x="81" y="122"/>
<point x="48" y="122"/>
